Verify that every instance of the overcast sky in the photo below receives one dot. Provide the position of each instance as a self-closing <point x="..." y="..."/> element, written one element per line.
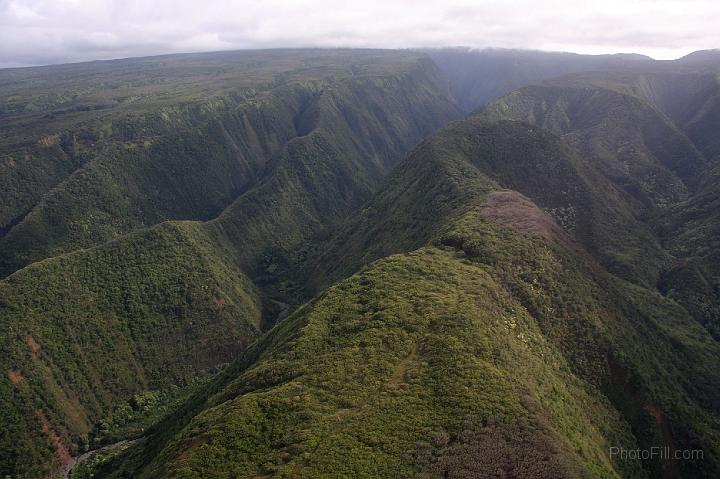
<point x="34" y="32"/>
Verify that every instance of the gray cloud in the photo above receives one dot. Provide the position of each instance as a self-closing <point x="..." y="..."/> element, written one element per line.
<point x="52" y="31"/>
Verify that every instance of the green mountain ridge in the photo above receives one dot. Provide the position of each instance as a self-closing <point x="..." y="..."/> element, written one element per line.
<point x="653" y="150"/>
<point x="515" y="294"/>
<point x="380" y="374"/>
<point x="286" y="164"/>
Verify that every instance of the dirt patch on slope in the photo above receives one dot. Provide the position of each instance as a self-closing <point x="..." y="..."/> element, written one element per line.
<point x="34" y="346"/>
<point x="48" y="141"/>
<point x="15" y="375"/>
<point x="61" y="451"/>
<point x="398" y="376"/>
<point x="516" y="211"/>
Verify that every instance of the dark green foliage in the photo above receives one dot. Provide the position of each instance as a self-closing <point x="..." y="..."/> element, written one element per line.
<point x="477" y="330"/>
<point x="649" y="130"/>
<point x="88" y="330"/>
<point x="691" y="231"/>
<point x="271" y="161"/>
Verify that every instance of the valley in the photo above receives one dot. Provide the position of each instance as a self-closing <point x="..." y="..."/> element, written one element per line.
<point x="360" y="263"/>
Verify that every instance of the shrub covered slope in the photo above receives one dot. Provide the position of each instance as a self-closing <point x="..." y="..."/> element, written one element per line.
<point x="499" y="344"/>
<point x="270" y="149"/>
<point x="528" y="287"/>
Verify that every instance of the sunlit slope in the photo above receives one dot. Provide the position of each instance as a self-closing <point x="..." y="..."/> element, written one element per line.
<point x="492" y="338"/>
<point x="269" y="169"/>
<point x="499" y="332"/>
<point x="85" y="331"/>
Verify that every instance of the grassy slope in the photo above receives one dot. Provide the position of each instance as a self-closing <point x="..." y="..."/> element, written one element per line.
<point x="412" y="365"/>
<point x="500" y="333"/>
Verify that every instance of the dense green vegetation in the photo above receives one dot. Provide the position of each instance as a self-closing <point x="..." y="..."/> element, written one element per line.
<point x="500" y="332"/>
<point x="647" y="131"/>
<point x="225" y="259"/>
<point x="257" y="135"/>
<point x="462" y="162"/>
<point x="283" y="149"/>
<point x="401" y="368"/>
<point x="87" y="330"/>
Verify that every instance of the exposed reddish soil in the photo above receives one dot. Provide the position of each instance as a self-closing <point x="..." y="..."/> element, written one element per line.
<point x="34" y="346"/>
<point x="61" y="452"/>
<point x="15" y="375"/>
<point x="516" y="211"/>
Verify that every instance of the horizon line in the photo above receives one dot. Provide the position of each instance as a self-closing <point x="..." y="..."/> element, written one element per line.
<point x="419" y="48"/>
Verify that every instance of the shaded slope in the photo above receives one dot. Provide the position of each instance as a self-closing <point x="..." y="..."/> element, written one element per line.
<point x="192" y="159"/>
<point x="361" y="130"/>
<point x="686" y="92"/>
<point x="691" y="232"/>
<point x="478" y="76"/>
<point x="85" y="331"/>
<point x="448" y="174"/>
<point x="635" y="147"/>
<point x="639" y="149"/>
<point x="651" y="131"/>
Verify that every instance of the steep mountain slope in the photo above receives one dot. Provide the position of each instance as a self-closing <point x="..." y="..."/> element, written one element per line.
<point x="633" y="145"/>
<point x="85" y="331"/>
<point x="652" y="131"/>
<point x="478" y="76"/>
<point x="492" y="309"/>
<point x="686" y="92"/>
<point x="192" y="159"/>
<point x="691" y="232"/>
<point x="268" y="170"/>
<point x="500" y="335"/>
<point x="506" y="154"/>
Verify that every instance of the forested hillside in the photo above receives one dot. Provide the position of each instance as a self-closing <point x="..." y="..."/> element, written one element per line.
<point x="499" y="333"/>
<point x="360" y="263"/>
<point x="648" y="132"/>
<point x="270" y="159"/>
